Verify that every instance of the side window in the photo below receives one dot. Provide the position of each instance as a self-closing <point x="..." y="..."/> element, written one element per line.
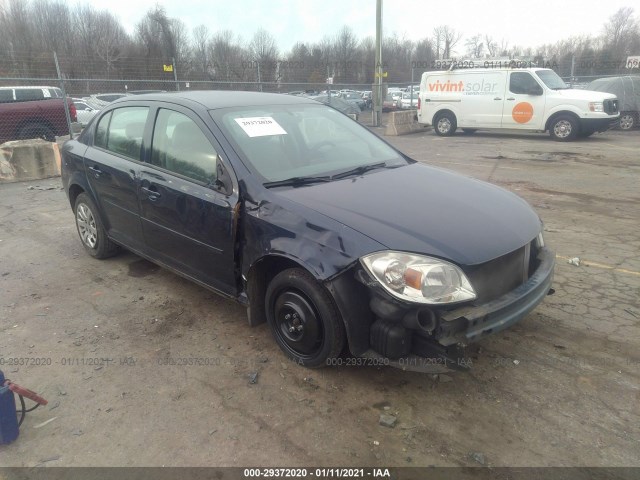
<point x="180" y="147"/>
<point x="522" y="82"/>
<point x="100" y="138"/>
<point x="6" y="95"/>
<point x="126" y="131"/>
<point x="28" y="94"/>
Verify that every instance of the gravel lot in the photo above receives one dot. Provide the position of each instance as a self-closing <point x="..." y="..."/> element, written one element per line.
<point x="562" y="388"/>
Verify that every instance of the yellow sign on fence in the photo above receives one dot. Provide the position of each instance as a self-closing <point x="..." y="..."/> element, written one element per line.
<point x="168" y="68"/>
<point x="383" y="74"/>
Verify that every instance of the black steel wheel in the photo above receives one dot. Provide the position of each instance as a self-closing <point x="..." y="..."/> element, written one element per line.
<point x="304" y="319"/>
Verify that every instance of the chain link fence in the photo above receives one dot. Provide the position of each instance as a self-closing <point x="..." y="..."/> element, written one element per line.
<point x="33" y="86"/>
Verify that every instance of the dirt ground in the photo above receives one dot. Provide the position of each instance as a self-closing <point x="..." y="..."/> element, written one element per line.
<point x="561" y="388"/>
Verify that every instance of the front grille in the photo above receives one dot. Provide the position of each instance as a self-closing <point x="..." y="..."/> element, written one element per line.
<point x="611" y="106"/>
<point x="499" y="276"/>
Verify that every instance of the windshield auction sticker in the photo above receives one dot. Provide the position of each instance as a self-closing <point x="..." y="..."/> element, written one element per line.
<point x="260" y="126"/>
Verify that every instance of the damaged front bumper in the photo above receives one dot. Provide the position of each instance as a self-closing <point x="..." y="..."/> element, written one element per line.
<point x="414" y="337"/>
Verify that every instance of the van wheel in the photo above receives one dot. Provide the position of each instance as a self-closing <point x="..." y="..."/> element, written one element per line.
<point x="445" y="124"/>
<point x="469" y="131"/>
<point x="564" y="128"/>
<point x="92" y="234"/>
<point x="627" y="121"/>
<point x="304" y="320"/>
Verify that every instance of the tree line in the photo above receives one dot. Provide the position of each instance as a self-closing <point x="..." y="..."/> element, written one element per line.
<point x="92" y="43"/>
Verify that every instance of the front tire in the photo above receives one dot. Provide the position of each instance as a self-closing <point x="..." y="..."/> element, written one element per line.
<point x="564" y="128"/>
<point x="445" y="124"/>
<point x="90" y="229"/>
<point x="304" y="319"/>
<point x="627" y="121"/>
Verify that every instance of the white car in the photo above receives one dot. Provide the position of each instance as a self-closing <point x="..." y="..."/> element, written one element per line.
<point x="395" y="93"/>
<point x="84" y="111"/>
<point x="408" y="101"/>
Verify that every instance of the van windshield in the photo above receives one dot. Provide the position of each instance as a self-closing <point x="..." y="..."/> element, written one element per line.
<point x="551" y="79"/>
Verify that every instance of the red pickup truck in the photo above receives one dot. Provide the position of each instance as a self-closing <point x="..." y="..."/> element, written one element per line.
<point x="33" y="112"/>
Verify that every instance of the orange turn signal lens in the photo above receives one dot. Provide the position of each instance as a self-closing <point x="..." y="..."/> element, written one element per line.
<point x="413" y="278"/>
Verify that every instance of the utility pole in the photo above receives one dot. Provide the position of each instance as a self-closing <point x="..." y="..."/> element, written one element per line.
<point x="573" y="68"/>
<point x="377" y="93"/>
<point x="175" y="73"/>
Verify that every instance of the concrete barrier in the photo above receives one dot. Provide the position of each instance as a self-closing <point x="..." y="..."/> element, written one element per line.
<point x="403" y="122"/>
<point x="22" y="160"/>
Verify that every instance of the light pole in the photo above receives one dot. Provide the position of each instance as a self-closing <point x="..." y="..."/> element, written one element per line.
<point x="377" y="94"/>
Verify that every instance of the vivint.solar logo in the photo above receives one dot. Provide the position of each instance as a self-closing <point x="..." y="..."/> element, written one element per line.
<point x="481" y="87"/>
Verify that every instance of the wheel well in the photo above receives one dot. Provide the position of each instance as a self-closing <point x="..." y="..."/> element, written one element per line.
<point x="259" y="276"/>
<point x="557" y="114"/>
<point x="74" y="191"/>
<point x="440" y="112"/>
<point x="35" y="121"/>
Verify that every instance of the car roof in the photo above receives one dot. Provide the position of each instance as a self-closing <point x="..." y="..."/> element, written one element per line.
<point x="212" y="99"/>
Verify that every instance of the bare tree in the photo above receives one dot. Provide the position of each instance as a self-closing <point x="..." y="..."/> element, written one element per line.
<point x="445" y="39"/>
<point x="622" y="31"/>
<point x="264" y="51"/>
<point x="109" y="40"/>
<point x="345" y="46"/>
<point x="200" y="50"/>
<point x="475" y="46"/>
<point x="226" y="57"/>
<point x="492" y="46"/>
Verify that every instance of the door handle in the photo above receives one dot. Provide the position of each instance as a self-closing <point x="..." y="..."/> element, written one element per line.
<point x="96" y="171"/>
<point x="510" y="98"/>
<point x="151" y="194"/>
<point x="497" y="98"/>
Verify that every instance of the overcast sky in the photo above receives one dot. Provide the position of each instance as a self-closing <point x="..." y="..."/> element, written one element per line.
<point x="524" y="23"/>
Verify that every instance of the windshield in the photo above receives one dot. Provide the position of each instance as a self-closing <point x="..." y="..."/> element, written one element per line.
<point x="284" y="141"/>
<point x="551" y="79"/>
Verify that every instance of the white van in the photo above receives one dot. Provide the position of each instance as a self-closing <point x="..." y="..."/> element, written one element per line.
<point x="533" y="99"/>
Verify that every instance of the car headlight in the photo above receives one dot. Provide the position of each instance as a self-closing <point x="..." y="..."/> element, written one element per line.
<point x="596" y="107"/>
<point x="418" y="278"/>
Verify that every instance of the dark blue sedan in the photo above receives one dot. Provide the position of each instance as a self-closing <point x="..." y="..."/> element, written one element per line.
<point x="318" y="226"/>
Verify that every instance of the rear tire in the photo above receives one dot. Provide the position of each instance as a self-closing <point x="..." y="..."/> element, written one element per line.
<point x="90" y="229"/>
<point x="304" y="319"/>
<point x="445" y="124"/>
<point x="564" y="128"/>
<point x="36" y="130"/>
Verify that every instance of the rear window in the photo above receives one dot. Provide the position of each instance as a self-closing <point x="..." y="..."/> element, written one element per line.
<point x="6" y="96"/>
<point x="28" y="94"/>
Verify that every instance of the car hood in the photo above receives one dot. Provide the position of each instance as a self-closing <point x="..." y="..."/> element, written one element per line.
<point x="587" y="95"/>
<point x="422" y="209"/>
